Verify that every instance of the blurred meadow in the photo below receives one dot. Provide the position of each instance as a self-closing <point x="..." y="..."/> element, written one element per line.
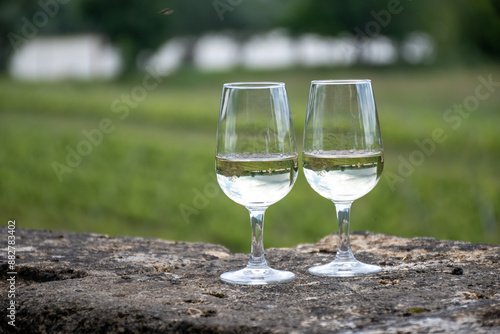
<point x="150" y="172"/>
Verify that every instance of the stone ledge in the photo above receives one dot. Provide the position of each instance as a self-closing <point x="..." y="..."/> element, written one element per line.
<point x="87" y="283"/>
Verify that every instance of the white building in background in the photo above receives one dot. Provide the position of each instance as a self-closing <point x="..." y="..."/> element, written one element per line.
<point x="314" y="50"/>
<point x="91" y="57"/>
<point x="379" y="50"/>
<point x="273" y="50"/>
<point x="418" y="47"/>
<point x="216" y="52"/>
<point x="168" y="57"/>
<point x="55" y="58"/>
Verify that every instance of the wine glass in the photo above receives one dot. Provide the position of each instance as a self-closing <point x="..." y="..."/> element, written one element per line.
<point x="343" y="158"/>
<point x="256" y="163"/>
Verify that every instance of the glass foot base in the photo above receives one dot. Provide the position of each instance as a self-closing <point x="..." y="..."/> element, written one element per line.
<point x="253" y="276"/>
<point x="350" y="268"/>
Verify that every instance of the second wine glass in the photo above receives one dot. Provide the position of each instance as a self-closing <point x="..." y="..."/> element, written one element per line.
<point x="256" y="163"/>
<point x="342" y="158"/>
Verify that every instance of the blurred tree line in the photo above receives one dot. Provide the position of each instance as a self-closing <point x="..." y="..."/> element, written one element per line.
<point x="462" y="29"/>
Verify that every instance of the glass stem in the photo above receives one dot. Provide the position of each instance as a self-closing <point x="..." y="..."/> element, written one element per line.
<point x="257" y="259"/>
<point x="344" y="252"/>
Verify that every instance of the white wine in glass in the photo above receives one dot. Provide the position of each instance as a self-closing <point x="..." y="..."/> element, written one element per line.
<point x="343" y="158"/>
<point x="256" y="163"/>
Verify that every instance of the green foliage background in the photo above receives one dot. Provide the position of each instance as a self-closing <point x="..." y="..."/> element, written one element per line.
<point x="161" y="157"/>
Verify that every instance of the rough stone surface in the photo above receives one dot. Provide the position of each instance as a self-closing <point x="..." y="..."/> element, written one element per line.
<point x="87" y="283"/>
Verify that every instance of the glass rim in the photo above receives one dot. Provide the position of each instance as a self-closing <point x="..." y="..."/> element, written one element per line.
<point x="254" y="85"/>
<point x="341" y="82"/>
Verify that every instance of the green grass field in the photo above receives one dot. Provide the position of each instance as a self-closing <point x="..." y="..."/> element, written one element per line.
<point x="158" y="157"/>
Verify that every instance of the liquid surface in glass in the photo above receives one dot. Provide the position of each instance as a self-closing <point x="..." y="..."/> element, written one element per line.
<point x="256" y="180"/>
<point x="341" y="176"/>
